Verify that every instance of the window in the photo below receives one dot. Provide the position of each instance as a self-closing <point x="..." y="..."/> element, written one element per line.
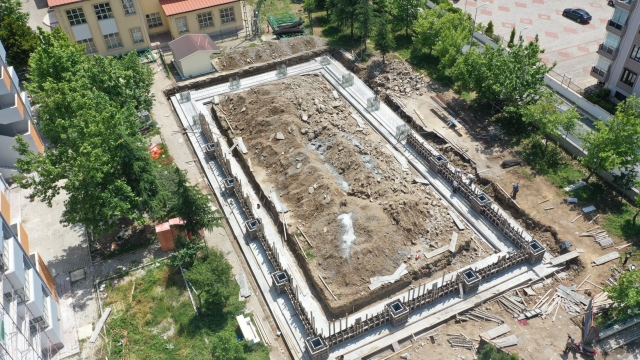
<point x="181" y="22"/>
<point x="628" y="77"/>
<point x="635" y="53"/>
<point x="128" y="7"/>
<point x="205" y="20"/>
<point x="136" y="34"/>
<point x="103" y="11"/>
<point x="76" y="16"/>
<point x="90" y="46"/>
<point x="113" y="41"/>
<point x="154" y="20"/>
<point x="227" y="15"/>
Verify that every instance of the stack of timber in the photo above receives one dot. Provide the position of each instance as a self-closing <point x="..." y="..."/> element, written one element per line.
<point x="601" y="302"/>
<point x="512" y="304"/>
<point x="565" y="298"/>
<point x="479" y="315"/>
<point x="600" y="236"/>
<point x="461" y="341"/>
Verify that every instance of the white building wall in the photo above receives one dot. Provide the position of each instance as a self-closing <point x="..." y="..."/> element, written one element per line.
<point x="623" y="51"/>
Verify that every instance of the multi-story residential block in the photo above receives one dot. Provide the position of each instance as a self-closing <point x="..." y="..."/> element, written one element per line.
<point x="618" y="63"/>
<point x="120" y="26"/>
<point x="29" y="317"/>
<point x="15" y="118"/>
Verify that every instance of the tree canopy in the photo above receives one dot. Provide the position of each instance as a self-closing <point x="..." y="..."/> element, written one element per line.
<point x="509" y="77"/>
<point x="382" y="37"/>
<point x="547" y="117"/>
<point x="193" y="206"/>
<point x="18" y="39"/>
<point x="615" y="145"/>
<point x="626" y="295"/>
<point x="490" y="352"/>
<point x="405" y="13"/>
<point x="212" y="278"/>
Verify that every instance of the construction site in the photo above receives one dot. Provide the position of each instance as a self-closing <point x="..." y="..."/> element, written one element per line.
<point x="364" y="229"/>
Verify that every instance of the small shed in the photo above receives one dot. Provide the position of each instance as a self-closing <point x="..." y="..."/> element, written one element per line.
<point x="192" y="54"/>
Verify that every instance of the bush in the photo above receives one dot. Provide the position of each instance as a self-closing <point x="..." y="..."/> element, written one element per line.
<point x="601" y="98"/>
<point x="490" y="352"/>
<point x="489" y="29"/>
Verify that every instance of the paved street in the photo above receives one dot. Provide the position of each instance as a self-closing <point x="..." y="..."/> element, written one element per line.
<point x="571" y="45"/>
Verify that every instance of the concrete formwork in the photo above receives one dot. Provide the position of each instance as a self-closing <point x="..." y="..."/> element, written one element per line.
<point x="310" y="335"/>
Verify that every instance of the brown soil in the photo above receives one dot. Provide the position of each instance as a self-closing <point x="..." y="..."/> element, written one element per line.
<point x="327" y="166"/>
<point x="267" y="51"/>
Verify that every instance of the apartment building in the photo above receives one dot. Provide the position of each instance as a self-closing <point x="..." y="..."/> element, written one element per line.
<point x="121" y="26"/>
<point x="29" y="317"/>
<point x="618" y="63"/>
<point x="15" y="118"/>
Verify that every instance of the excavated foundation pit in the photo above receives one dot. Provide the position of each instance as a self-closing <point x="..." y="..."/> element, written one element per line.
<point x="343" y="189"/>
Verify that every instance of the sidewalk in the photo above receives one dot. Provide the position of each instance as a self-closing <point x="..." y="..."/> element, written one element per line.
<point x="219" y="238"/>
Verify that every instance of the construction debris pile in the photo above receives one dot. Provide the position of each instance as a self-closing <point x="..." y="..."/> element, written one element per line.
<point x="600" y="236"/>
<point x="267" y="51"/>
<point x="344" y="185"/>
<point x="479" y="315"/>
<point x="398" y="79"/>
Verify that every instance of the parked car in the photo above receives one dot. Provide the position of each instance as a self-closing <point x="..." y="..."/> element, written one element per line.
<point x="610" y="3"/>
<point x="579" y="15"/>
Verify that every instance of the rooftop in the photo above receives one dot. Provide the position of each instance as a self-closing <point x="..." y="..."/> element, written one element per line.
<point x="172" y="7"/>
<point x="54" y="3"/>
<point x="189" y="44"/>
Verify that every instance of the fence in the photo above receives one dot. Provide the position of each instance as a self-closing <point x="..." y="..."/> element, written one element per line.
<point x="233" y="32"/>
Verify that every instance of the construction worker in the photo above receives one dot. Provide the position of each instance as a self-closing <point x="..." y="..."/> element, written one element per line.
<point x="569" y="345"/>
<point x="492" y="135"/>
<point x="516" y="188"/>
<point x="455" y="186"/>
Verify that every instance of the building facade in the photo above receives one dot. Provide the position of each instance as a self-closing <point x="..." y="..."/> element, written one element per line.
<point x="120" y="26"/>
<point x="618" y="63"/>
<point x="29" y="322"/>
<point x="15" y="118"/>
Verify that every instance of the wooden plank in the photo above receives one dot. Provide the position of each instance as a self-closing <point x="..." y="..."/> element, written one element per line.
<point x="577" y="297"/>
<point x="562" y="258"/>
<point x="327" y="286"/>
<point x="510" y="340"/>
<point x="437" y="252"/>
<point x="454" y="240"/>
<point x="606" y="258"/>
<point x="456" y="220"/>
<point x="99" y="325"/>
<point x="498" y="331"/>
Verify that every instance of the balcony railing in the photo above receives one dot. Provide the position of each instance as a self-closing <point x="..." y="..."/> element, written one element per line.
<point x="598" y="71"/>
<point x="608" y="49"/>
<point x="615" y="25"/>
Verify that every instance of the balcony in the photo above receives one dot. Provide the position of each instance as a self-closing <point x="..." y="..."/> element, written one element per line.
<point x="599" y="74"/>
<point x="607" y="51"/>
<point x="11" y="109"/>
<point x="624" y="4"/>
<point x="6" y="80"/>
<point x="615" y="28"/>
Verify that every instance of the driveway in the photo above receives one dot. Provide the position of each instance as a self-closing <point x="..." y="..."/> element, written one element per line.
<point x="570" y="45"/>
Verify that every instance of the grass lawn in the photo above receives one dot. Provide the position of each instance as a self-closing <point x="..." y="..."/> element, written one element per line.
<point x="153" y="318"/>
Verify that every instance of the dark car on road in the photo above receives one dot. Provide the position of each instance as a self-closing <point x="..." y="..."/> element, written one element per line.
<point x="578" y="15"/>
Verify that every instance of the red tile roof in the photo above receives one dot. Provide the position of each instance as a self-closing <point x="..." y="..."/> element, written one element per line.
<point x="190" y="44"/>
<point x="172" y="7"/>
<point x="53" y="3"/>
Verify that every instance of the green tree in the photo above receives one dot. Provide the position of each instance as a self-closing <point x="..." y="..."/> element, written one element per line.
<point x="405" y="13"/>
<point x="512" y="38"/>
<point x="547" y="117"/>
<point x="490" y="352"/>
<point x="188" y="252"/>
<point x="427" y="29"/>
<point x="212" y="278"/>
<point x="18" y="39"/>
<point x="56" y="60"/>
<point x="193" y="206"/>
<point x="225" y="346"/>
<point x="637" y="202"/>
<point x="615" y="145"/>
<point x="12" y="8"/>
<point x="626" y="295"/>
<point x="508" y="77"/>
<point x="489" y="29"/>
<point x="89" y="135"/>
<point x="309" y="6"/>
<point x="443" y="32"/>
<point x="345" y="13"/>
<point x="382" y="37"/>
<point x="364" y="12"/>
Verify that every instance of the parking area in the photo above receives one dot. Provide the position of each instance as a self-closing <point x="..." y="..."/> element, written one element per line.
<point x="571" y="45"/>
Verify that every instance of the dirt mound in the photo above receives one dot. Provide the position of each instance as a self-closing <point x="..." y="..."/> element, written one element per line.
<point x="267" y="51"/>
<point x="341" y="183"/>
